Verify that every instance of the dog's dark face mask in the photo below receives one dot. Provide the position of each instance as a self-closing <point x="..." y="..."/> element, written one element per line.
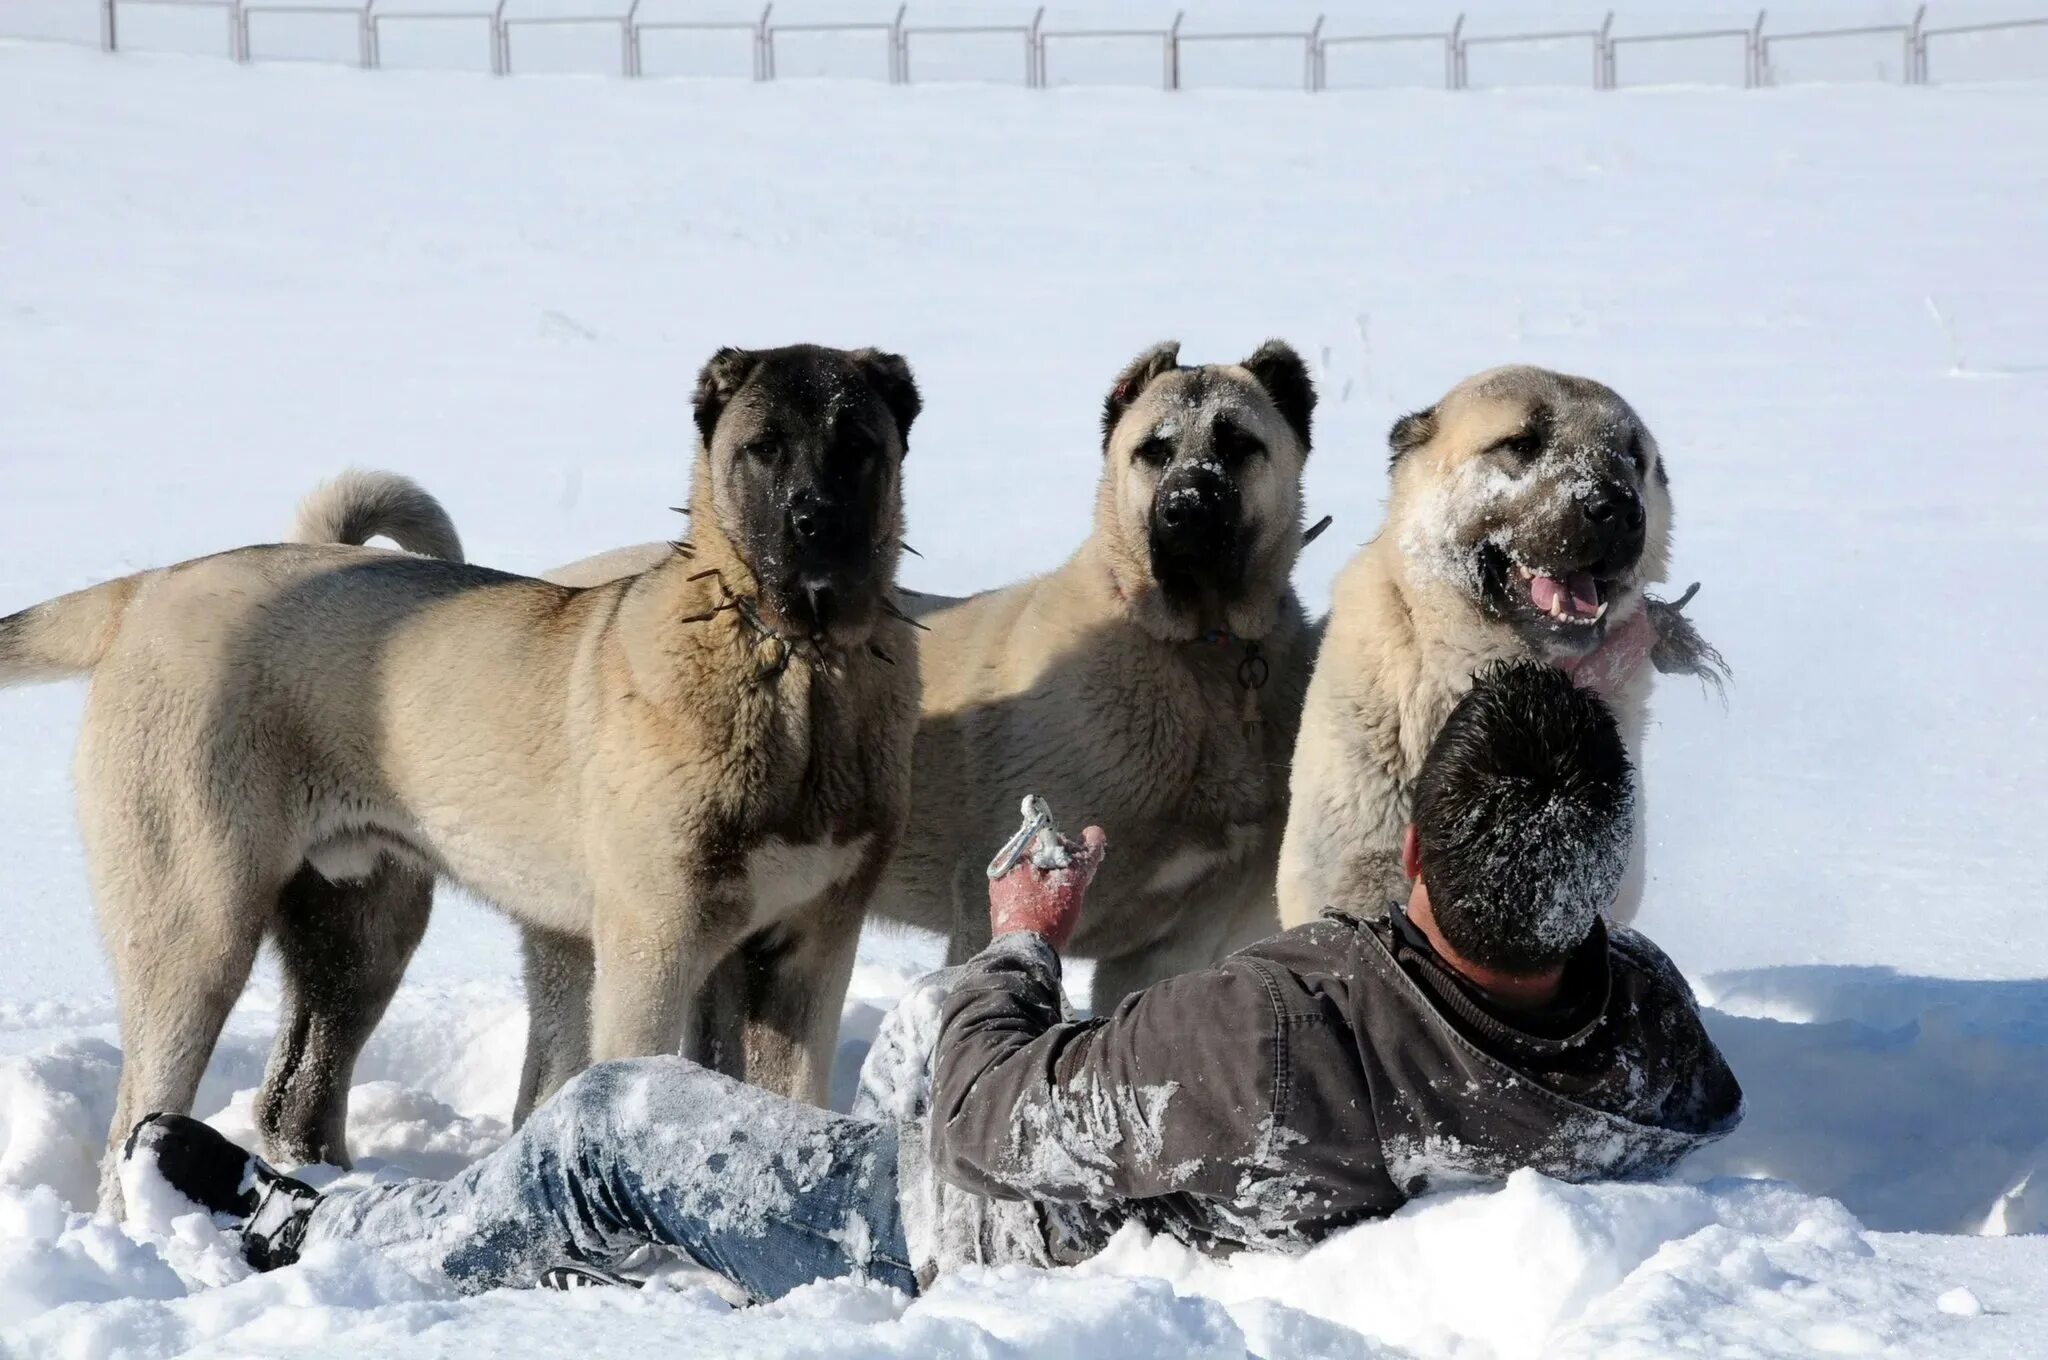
<point x="1205" y="476"/>
<point x="806" y="448"/>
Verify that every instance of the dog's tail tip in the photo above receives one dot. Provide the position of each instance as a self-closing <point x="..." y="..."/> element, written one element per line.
<point x="360" y="505"/>
<point x="66" y="637"/>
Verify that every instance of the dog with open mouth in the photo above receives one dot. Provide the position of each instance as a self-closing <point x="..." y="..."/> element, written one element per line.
<point x="1529" y="512"/>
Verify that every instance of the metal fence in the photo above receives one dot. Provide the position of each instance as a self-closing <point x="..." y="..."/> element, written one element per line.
<point x="1036" y="42"/>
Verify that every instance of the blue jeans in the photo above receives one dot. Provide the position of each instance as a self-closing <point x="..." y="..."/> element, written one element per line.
<point x="768" y="1192"/>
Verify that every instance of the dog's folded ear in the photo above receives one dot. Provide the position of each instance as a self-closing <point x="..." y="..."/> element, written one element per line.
<point x="1163" y="357"/>
<point x="1285" y="377"/>
<point x="889" y="374"/>
<point x="1411" y="432"/>
<point x="723" y="375"/>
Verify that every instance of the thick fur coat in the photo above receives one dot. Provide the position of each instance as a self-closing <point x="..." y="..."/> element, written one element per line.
<point x="1528" y="513"/>
<point x="708" y="761"/>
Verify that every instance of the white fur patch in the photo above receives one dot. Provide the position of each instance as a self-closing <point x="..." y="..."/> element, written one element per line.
<point x="1185" y="867"/>
<point x="345" y="859"/>
<point x="782" y="877"/>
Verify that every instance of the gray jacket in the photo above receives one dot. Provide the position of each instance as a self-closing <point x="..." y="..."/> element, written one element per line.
<point x="1320" y="1078"/>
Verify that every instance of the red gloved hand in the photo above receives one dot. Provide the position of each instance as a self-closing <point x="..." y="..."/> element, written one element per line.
<point x="1047" y="901"/>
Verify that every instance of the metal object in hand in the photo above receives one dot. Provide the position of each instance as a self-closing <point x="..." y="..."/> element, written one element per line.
<point x="1037" y="837"/>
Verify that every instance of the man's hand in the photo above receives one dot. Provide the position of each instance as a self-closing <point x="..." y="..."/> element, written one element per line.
<point x="1047" y="901"/>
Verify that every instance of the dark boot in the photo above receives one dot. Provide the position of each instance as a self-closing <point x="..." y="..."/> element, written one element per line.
<point x="269" y="1210"/>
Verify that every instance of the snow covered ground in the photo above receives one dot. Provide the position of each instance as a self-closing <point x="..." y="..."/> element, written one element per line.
<point x="218" y="285"/>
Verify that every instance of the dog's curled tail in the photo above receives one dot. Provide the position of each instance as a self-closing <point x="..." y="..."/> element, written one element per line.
<point x="358" y="506"/>
<point x="65" y="637"/>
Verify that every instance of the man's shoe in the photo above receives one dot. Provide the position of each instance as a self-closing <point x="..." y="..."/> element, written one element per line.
<point x="270" y="1210"/>
<point x="570" y="1277"/>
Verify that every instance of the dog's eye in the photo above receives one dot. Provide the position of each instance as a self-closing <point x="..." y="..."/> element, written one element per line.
<point x="1637" y="453"/>
<point x="1523" y="446"/>
<point x="765" y="448"/>
<point x="1237" y="445"/>
<point x="1155" y="452"/>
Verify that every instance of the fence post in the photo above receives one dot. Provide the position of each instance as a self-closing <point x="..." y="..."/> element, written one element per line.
<point x="238" y="33"/>
<point x="764" y="45"/>
<point x="501" y="42"/>
<point x="1034" y="72"/>
<point x="1915" y="74"/>
<point x="629" y="38"/>
<point x="365" y="58"/>
<point x="1173" y="51"/>
<point x="897" y="64"/>
<point x="1315" y="44"/>
<point x="1454" y="56"/>
<point x="1603" y="54"/>
<point x="1752" y="54"/>
<point x="109" y="39"/>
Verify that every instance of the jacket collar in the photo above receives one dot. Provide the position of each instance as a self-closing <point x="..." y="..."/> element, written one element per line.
<point x="1586" y="994"/>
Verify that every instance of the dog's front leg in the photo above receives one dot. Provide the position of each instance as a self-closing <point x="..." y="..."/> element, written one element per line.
<point x="653" y="951"/>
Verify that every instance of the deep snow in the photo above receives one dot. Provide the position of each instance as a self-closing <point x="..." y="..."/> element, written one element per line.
<point x="218" y="286"/>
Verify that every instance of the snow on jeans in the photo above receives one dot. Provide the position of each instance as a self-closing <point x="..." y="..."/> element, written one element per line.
<point x="768" y="1192"/>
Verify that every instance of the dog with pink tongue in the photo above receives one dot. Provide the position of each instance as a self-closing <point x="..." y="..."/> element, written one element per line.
<point x="1529" y="512"/>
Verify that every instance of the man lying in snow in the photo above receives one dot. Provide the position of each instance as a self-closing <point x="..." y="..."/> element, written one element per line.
<point x="1312" y="1081"/>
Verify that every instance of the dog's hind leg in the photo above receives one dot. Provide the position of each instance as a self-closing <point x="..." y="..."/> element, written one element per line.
<point x="344" y="947"/>
<point x="560" y="971"/>
<point x="796" y="978"/>
<point x="181" y="948"/>
<point x="716" y="1035"/>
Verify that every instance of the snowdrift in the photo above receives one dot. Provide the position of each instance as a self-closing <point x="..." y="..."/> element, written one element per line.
<point x="222" y="285"/>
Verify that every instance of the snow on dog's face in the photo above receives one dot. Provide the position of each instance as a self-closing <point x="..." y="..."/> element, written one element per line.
<point x="1199" y="509"/>
<point x="805" y="448"/>
<point x="1540" y="497"/>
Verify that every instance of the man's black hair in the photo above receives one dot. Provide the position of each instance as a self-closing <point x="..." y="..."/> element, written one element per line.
<point x="1524" y="810"/>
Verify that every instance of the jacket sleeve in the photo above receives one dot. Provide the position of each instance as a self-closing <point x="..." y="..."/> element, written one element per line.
<point x="1174" y="1092"/>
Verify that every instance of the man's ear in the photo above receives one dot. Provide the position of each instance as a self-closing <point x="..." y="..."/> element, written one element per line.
<point x="889" y="374"/>
<point x="1285" y="377"/>
<point x="1411" y="852"/>
<point x="1163" y="357"/>
<point x="1411" y="432"/>
<point x="721" y="377"/>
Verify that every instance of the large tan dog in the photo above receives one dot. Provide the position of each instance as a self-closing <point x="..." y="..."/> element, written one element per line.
<point x="707" y="761"/>
<point x="1150" y="686"/>
<point x="1529" y="510"/>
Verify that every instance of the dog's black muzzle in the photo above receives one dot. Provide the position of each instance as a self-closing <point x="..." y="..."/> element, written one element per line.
<point x="831" y="578"/>
<point x="1196" y="529"/>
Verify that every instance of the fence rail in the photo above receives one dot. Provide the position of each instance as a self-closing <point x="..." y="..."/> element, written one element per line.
<point x="1036" y="40"/>
<point x="1917" y="60"/>
<point x="1908" y="33"/>
<point x="1752" y="47"/>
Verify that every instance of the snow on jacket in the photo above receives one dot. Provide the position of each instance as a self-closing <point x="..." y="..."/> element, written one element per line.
<point x="1320" y="1078"/>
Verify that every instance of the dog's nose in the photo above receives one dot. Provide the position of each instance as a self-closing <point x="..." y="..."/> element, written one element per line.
<point x="1612" y="506"/>
<point x="815" y="522"/>
<point x="1185" y="509"/>
<point x="1196" y="500"/>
